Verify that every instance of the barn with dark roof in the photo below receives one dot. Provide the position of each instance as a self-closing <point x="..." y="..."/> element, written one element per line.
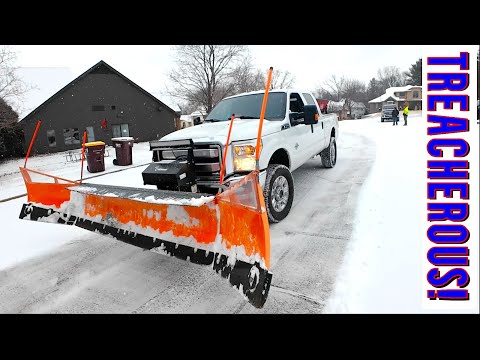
<point x="103" y="102"/>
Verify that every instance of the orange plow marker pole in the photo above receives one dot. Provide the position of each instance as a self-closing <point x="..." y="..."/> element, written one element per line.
<point x="262" y="116"/>
<point x="83" y="153"/>
<point x="222" y="172"/>
<point x="32" y="141"/>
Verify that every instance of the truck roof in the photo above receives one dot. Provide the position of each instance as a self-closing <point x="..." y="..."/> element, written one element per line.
<point x="286" y="90"/>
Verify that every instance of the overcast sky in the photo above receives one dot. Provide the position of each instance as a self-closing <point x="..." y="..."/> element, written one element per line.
<point x="147" y="65"/>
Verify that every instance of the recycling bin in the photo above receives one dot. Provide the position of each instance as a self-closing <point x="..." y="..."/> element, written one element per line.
<point x="123" y="150"/>
<point x="95" y="153"/>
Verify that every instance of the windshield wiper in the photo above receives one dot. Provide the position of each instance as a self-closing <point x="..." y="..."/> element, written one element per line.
<point x="213" y="120"/>
<point x="246" y="117"/>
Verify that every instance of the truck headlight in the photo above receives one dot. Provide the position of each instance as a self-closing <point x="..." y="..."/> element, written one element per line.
<point x="243" y="158"/>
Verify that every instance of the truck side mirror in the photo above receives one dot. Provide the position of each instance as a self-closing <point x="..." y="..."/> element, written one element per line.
<point x="311" y="115"/>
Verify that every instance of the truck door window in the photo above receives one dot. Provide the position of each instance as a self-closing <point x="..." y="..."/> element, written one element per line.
<point x="309" y="99"/>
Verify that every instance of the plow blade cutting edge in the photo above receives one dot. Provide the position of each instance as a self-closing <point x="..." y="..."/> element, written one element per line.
<point x="228" y="232"/>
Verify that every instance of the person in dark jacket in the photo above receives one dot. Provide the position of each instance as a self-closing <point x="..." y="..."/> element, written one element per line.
<point x="395" y="113"/>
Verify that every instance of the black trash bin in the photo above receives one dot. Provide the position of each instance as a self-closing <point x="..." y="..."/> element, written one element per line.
<point x="95" y="153"/>
<point x="123" y="150"/>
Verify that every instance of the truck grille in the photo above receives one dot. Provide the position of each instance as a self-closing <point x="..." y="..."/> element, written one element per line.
<point x="207" y="157"/>
<point x="208" y="162"/>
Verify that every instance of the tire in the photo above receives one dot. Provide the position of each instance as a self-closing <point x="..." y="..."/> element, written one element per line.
<point x="383" y="119"/>
<point x="279" y="180"/>
<point x="329" y="155"/>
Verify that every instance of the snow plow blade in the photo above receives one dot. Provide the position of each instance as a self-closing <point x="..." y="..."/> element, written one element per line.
<point x="228" y="232"/>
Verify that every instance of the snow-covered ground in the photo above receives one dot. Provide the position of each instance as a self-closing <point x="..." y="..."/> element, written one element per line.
<point x="382" y="268"/>
<point x="383" y="261"/>
<point x="11" y="182"/>
<point x="22" y="240"/>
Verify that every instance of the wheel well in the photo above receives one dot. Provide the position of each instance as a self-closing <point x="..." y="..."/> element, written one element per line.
<point x="280" y="157"/>
<point x="332" y="133"/>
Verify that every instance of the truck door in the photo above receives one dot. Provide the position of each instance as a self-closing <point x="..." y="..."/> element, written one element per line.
<point x="317" y="137"/>
<point x="300" y="138"/>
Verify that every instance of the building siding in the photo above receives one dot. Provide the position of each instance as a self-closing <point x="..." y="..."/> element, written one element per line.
<point x="409" y="94"/>
<point x="147" y="119"/>
<point x="414" y="103"/>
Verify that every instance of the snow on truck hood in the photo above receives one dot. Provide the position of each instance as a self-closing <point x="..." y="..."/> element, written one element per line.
<point x="217" y="131"/>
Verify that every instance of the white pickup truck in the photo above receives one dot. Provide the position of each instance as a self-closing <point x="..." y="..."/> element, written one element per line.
<point x="287" y="143"/>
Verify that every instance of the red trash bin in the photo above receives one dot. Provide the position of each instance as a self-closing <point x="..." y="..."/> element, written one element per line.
<point x="123" y="150"/>
<point x="95" y="153"/>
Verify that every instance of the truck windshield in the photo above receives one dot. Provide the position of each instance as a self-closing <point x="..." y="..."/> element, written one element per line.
<point x="249" y="107"/>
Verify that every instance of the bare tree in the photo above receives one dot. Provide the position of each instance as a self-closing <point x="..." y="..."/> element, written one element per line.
<point x="187" y="107"/>
<point x="281" y="79"/>
<point x="203" y="73"/>
<point x="353" y="91"/>
<point x="332" y="88"/>
<point x="321" y="93"/>
<point x="247" y="78"/>
<point x="342" y="91"/>
<point x="391" y="76"/>
<point x="11" y="85"/>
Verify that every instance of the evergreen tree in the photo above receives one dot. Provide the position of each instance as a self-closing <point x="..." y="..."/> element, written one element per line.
<point x="11" y="134"/>
<point x="414" y="75"/>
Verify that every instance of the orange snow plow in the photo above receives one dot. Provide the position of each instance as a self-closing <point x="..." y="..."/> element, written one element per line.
<point x="228" y="231"/>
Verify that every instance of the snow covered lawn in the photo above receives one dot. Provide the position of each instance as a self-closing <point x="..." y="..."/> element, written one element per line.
<point x="20" y="239"/>
<point x="11" y="182"/>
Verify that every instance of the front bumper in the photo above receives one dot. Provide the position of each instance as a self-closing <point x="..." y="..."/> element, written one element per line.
<point x="236" y="178"/>
<point x="231" y="180"/>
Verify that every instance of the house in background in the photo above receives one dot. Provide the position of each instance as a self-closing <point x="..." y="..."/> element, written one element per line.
<point x="195" y="118"/>
<point x="358" y="110"/>
<point x="184" y="121"/>
<point x="399" y="95"/>
<point x="198" y="117"/>
<point x="338" y="107"/>
<point x="103" y="102"/>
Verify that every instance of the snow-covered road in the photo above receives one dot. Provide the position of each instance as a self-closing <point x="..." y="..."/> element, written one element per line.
<point x="351" y="244"/>
<point x="92" y="273"/>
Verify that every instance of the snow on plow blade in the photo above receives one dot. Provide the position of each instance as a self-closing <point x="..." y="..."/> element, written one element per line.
<point x="228" y="231"/>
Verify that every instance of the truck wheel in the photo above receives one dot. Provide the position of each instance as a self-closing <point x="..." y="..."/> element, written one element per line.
<point x="278" y="192"/>
<point x="329" y="155"/>
<point x="383" y="119"/>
